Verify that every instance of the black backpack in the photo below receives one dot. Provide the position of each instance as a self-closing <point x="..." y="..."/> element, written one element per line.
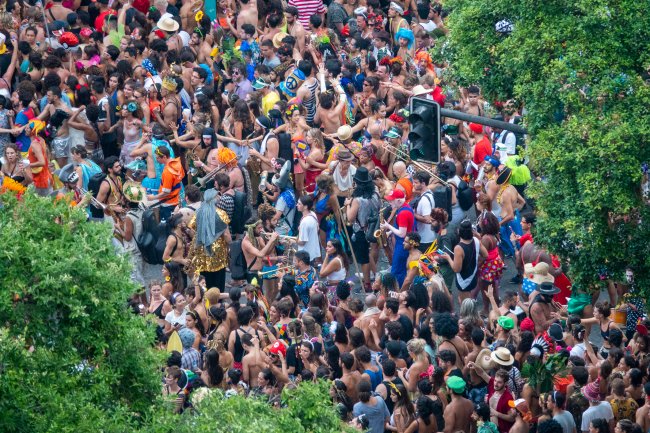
<point x="442" y="198"/>
<point x="148" y="239"/>
<point x="237" y="261"/>
<point x="243" y="212"/>
<point x="465" y="195"/>
<point x="94" y="183"/>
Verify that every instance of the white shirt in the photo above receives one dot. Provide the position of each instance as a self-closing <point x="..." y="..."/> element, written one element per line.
<point x="579" y="350"/>
<point x="308" y="233"/>
<point x="603" y="410"/>
<point x="173" y="319"/>
<point x="425" y="206"/>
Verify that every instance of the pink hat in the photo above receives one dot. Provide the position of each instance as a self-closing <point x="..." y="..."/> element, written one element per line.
<point x="591" y="391"/>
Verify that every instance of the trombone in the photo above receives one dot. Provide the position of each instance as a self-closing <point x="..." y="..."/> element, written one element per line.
<point x="416" y="164"/>
<point x="282" y="238"/>
<point x="262" y="274"/>
<point x="202" y="181"/>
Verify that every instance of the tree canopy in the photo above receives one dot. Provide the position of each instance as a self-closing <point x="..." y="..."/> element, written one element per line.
<point x="73" y="357"/>
<point x="581" y="70"/>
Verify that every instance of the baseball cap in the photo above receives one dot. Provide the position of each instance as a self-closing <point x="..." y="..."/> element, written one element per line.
<point x="395" y="194"/>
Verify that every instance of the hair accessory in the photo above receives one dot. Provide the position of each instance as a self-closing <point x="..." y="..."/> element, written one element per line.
<point x="79" y="86"/>
<point x="118" y="108"/>
<point x="198" y="17"/>
<point x="152" y="9"/>
<point x="132" y="107"/>
<point x="291" y="108"/>
<point x="198" y="30"/>
<point x="148" y="66"/>
<point x="169" y="83"/>
<point x="394" y="388"/>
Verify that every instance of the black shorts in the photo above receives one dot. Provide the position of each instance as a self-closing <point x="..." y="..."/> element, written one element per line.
<point x="361" y="247"/>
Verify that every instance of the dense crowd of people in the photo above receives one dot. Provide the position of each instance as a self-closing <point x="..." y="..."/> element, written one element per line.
<point x="268" y="141"/>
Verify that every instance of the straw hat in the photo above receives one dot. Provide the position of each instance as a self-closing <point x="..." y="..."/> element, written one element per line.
<point x="484" y="359"/>
<point x="134" y="192"/>
<point x="539" y="273"/>
<point x="167" y="23"/>
<point x="502" y="356"/>
<point x="344" y="132"/>
<point x="277" y="39"/>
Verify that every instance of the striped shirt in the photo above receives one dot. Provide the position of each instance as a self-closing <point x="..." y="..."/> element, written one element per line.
<point x="307" y="8"/>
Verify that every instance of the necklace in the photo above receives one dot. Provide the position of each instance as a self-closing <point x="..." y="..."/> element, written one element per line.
<point x="501" y="190"/>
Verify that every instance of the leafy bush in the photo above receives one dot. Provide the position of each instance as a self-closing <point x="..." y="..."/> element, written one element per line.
<point x="579" y="68"/>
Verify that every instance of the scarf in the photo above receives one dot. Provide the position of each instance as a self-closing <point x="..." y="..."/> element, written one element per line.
<point x="209" y="226"/>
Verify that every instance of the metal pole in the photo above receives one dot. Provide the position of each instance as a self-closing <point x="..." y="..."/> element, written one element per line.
<point x="444" y="112"/>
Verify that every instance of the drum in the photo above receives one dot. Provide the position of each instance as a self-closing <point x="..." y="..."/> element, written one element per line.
<point x="619" y="316"/>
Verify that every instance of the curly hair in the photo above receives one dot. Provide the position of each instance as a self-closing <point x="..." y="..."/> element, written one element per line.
<point x="325" y="183"/>
<point x="489" y="224"/>
<point x="445" y="325"/>
<point x="440" y="215"/>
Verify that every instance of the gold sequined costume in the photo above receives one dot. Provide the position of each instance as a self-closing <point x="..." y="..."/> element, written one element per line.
<point x="201" y="261"/>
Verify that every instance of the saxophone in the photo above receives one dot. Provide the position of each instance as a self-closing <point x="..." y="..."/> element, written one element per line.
<point x="380" y="234"/>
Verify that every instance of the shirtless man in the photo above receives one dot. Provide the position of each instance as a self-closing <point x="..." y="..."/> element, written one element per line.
<point x="171" y="111"/>
<point x="256" y="250"/>
<point x="542" y="310"/>
<point x="175" y="247"/>
<point x="247" y="14"/>
<point x="270" y="145"/>
<point x="188" y="12"/>
<point x="294" y="28"/>
<point x="365" y="323"/>
<point x="252" y="362"/>
<point x="446" y="326"/>
<point x="458" y="412"/>
<point x="200" y="46"/>
<point x="351" y="376"/>
<point x="110" y="191"/>
<point x="509" y="201"/>
<point x="521" y="409"/>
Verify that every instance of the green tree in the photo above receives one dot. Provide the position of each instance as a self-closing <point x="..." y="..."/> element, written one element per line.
<point x="72" y="357"/>
<point x="580" y="70"/>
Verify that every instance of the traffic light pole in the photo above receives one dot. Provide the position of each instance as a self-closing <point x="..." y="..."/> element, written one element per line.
<point x="444" y="112"/>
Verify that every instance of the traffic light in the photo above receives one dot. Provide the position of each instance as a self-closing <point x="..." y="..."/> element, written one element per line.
<point x="424" y="135"/>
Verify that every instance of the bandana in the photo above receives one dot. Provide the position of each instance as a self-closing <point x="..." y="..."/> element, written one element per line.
<point x="148" y="66"/>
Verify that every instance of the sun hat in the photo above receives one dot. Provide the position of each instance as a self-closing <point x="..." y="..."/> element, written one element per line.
<point x="420" y="90"/>
<point x="456" y="384"/>
<point x="502" y="356"/>
<point x="167" y="23"/>
<point x="134" y="192"/>
<point x="344" y="132"/>
<point x="539" y="273"/>
<point x="591" y="391"/>
<point x="506" y="322"/>
<point x="395" y="195"/>
<point x="277" y="39"/>
<point x="484" y="359"/>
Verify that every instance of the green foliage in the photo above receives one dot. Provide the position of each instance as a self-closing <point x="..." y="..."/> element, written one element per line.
<point x="541" y="375"/>
<point x="579" y="68"/>
<point x="307" y="409"/>
<point x="72" y="357"/>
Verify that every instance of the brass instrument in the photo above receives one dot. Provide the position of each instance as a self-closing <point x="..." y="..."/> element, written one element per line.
<point x="289" y="268"/>
<point x="380" y="234"/>
<point x="202" y="181"/>
<point x="281" y="238"/>
<point x="118" y="220"/>
<point x="417" y="165"/>
<point x="191" y="156"/>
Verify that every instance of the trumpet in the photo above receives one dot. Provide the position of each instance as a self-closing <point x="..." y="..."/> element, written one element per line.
<point x="273" y="271"/>
<point x="202" y="181"/>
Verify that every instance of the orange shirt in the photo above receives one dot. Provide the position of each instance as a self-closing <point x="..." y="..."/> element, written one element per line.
<point x="171" y="178"/>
